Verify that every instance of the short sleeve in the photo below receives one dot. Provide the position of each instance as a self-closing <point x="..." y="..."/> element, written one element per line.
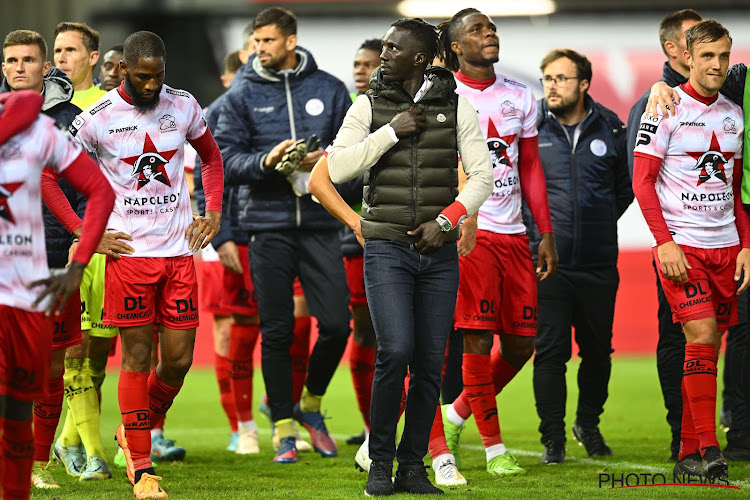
<point x="528" y="127"/>
<point x="653" y="136"/>
<point x="58" y="150"/>
<point x="197" y="121"/>
<point x="80" y="130"/>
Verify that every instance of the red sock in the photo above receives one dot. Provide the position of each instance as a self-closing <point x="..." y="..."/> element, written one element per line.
<point x="18" y="457"/>
<point x="688" y="437"/>
<point x="404" y="395"/>
<point x="502" y="372"/>
<point x="132" y="392"/>
<point x="699" y="376"/>
<point x="223" y="366"/>
<point x="437" y="445"/>
<point x="362" y="366"/>
<point x="480" y="390"/>
<point x="46" y="417"/>
<point x="300" y="355"/>
<point x="242" y="341"/>
<point x="160" y="398"/>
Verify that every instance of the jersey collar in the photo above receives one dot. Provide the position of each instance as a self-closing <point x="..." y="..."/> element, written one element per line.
<point x="695" y="95"/>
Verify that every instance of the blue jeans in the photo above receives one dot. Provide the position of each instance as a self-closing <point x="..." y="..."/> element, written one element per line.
<point x="412" y="298"/>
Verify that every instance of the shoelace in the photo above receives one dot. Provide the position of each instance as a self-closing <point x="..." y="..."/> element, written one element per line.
<point x="381" y="473"/>
<point x="445" y="469"/>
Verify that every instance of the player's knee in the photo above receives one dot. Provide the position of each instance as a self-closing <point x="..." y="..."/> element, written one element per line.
<point x="477" y="341"/>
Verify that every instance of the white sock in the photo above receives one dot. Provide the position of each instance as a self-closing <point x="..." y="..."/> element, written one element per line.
<point x="249" y="426"/>
<point x="441" y="459"/>
<point x="156" y="433"/>
<point x="495" y="451"/>
<point x="454" y="417"/>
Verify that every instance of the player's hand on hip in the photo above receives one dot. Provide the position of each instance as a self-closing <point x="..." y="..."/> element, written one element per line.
<point x="468" y="239"/>
<point x="275" y="155"/>
<point x="662" y="98"/>
<point x="431" y="237"/>
<point x="547" y="251"/>
<point x="743" y="267"/>
<point x="112" y="245"/>
<point x="229" y="256"/>
<point x="203" y="229"/>
<point x="59" y="288"/>
<point x="409" y="122"/>
<point x="674" y="264"/>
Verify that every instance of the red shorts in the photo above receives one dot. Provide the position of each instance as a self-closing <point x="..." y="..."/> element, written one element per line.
<point x="212" y="288"/>
<point x="355" y="278"/>
<point x="710" y="291"/>
<point x="298" y="292"/>
<point x="143" y="290"/>
<point x="497" y="289"/>
<point x="25" y="352"/>
<point x="238" y="293"/>
<point x="67" y="329"/>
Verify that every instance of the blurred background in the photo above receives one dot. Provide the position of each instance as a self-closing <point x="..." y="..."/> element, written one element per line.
<point x="619" y="37"/>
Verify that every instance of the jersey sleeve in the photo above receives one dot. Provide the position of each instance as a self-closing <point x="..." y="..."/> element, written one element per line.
<point x="528" y="126"/>
<point x="80" y="129"/>
<point x="197" y="121"/>
<point x="58" y="150"/>
<point x="653" y="136"/>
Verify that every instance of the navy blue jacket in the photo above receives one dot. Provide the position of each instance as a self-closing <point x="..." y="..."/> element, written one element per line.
<point x="588" y="186"/>
<point x="262" y="109"/>
<point x="58" y="91"/>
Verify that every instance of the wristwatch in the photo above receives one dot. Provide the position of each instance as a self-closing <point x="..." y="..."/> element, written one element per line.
<point x="444" y="223"/>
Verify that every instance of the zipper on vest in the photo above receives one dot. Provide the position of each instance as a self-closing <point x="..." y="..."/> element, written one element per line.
<point x="413" y="182"/>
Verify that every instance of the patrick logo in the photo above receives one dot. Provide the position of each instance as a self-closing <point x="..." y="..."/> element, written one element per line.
<point x="711" y="163"/>
<point x="498" y="146"/>
<point x="150" y="165"/>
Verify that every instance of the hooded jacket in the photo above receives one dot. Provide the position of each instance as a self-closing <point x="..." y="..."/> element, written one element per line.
<point x="261" y="109"/>
<point x="58" y="91"/>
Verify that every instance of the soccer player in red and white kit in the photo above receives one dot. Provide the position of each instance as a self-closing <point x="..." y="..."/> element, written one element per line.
<point x="137" y="132"/>
<point x="497" y="289"/>
<point x="28" y="143"/>
<point x="686" y="177"/>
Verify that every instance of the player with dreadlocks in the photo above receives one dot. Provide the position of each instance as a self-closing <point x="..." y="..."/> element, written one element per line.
<point x="497" y="291"/>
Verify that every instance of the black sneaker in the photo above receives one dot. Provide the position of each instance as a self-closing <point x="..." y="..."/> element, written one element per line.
<point x="738" y="445"/>
<point x="714" y="464"/>
<point x="416" y="482"/>
<point x="379" y="481"/>
<point x="593" y="441"/>
<point x="674" y="448"/>
<point x="691" y="465"/>
<point x="357" y="439"/>
<point x="554" y="453"/>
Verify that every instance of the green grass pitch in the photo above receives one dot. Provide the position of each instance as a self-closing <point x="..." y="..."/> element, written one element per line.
<point x="633" y="424"/>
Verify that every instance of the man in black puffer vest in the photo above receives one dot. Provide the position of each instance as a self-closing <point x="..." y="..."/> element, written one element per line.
<point x="404" y="136"/>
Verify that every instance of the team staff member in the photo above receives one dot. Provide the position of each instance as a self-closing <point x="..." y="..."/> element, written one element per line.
<point x="25" y="67"/>
<point x="700" y="246"/>
<point x="405" y="142"/>
<point x="585" y="163"/>
<point x="280" y="93"/>
<point x="29" y="143"/>
<point x="155" y="121"/>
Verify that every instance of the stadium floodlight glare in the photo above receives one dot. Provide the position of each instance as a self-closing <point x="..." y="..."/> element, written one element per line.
<point x="496" y="8"/>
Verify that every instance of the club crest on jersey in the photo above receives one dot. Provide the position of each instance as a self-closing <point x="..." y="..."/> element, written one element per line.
<point x="498" y="146"/>
<point x="509" y="108"/>
<point x="711" y="163"/>
<point x="729" y="126"/>
<point x="6" y="191"/>
<point x="167" y="123"/>
<point x="150" y="165"/>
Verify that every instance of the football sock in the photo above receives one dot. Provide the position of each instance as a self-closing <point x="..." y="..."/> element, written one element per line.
<point x="47" y="410"/>
<point x="18" y="457"/>
<point x="502" y="372"/>
<point x="699" y="375"/>
<point x="160" y="398"/>
<point x="242" y="340"/>
<point x="688" y="437"/>
<point x="437" y="444"/>
<point x="83" y="408"/>
<point x="284" y="427"/>
<point x="133" y="394"/>
<point x="309" y="402"/>
<point x="223" y="368"/>
<point x="480" y="390"/>
<point x="362" y="367"/>
<point x="69" y="434"/>
<point x="299" y="354"/>
<point x="494" y="450"/>
<point x="141" y="472"/>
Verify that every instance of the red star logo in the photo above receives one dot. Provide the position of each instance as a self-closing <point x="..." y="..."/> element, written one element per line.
<point x="711" y="162"/>
<point x="6" y="190"/>
<point x="498" y="146"/>
<point x="150" y="164"/>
